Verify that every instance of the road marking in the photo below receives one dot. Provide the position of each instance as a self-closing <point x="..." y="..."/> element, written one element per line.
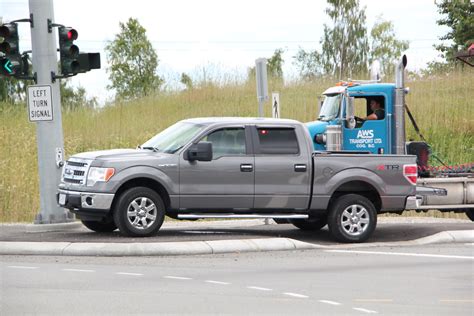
<point x="401" y="254"/>
<point x="176" y="277"/>
<point x="129" y="273"/>
<point x="456" y="301"/>
<point x="469" y="244"/>
<point x="373" y="300"/>
<point x="329" y="302"/>
<point x="78" y="270"/>
<point x="259" y="288"/>
<point x="216" y="282"/>
<point x="368" y="311"/>
<point x="295" y="295"/>
<point x="22" y="267"/>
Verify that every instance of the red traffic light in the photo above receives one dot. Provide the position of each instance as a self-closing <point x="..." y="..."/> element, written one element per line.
<point x="72" y="35"/>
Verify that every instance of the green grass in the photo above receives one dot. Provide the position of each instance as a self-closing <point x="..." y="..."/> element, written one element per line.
<point x="443" y="108"/>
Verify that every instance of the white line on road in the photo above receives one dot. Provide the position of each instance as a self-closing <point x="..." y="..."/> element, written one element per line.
<point x="259" y="288"/>
<point x="176" y="277"/>
<point x="217" y="282"/>
<point x="295" y="295"/>
<point x="129" y="273"/>
<point x="22" y="267"/>
<point x="402" y="254"/>
<point x="78" y="270"/>
<point x="368" y="311"/>
<point x="469" y="244"/>
<point x="329" y="302"/>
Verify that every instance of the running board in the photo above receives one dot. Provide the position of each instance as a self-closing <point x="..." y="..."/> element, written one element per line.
<point x="444" y="207"/>
<point x="208" y="215"/>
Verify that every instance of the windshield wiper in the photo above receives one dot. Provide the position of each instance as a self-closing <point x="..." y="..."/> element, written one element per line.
<point x="155" y="149"/>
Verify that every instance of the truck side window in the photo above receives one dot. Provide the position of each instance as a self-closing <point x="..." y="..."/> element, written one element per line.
<point x="278" y="141"/>
<point x="227" y="141"/>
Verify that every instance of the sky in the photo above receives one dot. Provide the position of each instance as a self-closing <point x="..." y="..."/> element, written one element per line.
<point x="222" y="37"/>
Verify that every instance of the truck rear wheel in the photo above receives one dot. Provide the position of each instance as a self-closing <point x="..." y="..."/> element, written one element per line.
<point x="352" y="218"/>
<point x="139" y="212"/>
<point x="103" y="226"/>
<point x="310" y="224"/>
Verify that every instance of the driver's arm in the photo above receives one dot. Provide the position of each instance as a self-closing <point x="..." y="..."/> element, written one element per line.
<point x="371" y="117"/>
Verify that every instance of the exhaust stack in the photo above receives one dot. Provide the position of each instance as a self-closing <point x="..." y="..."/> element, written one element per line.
<point x="398" y="146"/>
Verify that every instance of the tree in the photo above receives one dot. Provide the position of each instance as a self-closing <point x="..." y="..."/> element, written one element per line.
<point x="458" y="16"/>
<point x="384" y="45"/>
<point x="274" y="66"/>
<point x="72" y="98"/>
<point x="187" y="81"/>
<point x="133" y="62"/>
<point x="345" y="46"/>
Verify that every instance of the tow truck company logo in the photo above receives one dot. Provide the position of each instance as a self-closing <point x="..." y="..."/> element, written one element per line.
<point x="365" y="133"/>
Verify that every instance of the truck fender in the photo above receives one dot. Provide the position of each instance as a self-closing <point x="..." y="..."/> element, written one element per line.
<point x="356" y="174"/>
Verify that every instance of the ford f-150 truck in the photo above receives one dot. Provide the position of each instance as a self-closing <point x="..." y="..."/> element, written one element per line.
<point x="236" y="168"/>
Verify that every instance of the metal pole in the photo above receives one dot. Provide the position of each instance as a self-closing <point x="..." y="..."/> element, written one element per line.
<point x="49" y="133"/>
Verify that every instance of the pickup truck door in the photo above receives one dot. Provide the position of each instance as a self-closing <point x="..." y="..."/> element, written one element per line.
<point x="226" y="182"/>
<point x="282" y="169"/>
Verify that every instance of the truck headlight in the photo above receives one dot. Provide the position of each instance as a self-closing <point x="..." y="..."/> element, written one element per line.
<point x="99" y="175"/>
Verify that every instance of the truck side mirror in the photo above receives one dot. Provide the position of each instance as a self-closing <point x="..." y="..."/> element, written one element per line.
<point x="201" y="151"/>
<point x="351" y="123"/>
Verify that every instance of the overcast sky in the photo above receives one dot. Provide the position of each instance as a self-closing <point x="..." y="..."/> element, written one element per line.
<point x="223" y="36"/>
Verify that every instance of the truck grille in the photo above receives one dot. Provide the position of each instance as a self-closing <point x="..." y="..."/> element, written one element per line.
<point x="75" y="171"/>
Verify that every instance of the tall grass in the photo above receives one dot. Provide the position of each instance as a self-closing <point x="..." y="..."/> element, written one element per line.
<point x="443" y="107"/>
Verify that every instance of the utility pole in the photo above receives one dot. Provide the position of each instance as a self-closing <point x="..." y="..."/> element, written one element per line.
<point x="49" y="133"/>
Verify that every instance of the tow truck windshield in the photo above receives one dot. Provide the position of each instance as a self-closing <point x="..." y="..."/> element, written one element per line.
<point x="330" y="108"/>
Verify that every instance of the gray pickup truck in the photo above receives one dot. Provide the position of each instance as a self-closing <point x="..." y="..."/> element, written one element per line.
<point x="236" y="168"/>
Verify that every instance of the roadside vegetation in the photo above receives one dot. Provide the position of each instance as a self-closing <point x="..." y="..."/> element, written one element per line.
<point x="442" y="105"/>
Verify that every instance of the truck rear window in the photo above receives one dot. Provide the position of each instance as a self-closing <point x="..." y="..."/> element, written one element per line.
<point x="278" y="141"/>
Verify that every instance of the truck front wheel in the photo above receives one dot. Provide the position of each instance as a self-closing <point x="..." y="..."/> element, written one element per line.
<point x="139" y="212"/>
<point x="352" y="218"/>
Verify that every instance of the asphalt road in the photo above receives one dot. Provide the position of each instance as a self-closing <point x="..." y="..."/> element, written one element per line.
<point x="417" y="280"/>
<point x="388" y="230"/>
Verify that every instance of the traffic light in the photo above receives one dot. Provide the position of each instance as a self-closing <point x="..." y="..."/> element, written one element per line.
<point x="68" y="52"/>
<point x="88" y="61"/>
<point x="11" y="62"/>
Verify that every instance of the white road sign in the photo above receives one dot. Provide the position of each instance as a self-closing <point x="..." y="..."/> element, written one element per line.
<point x="40" y="103"/>
<point x="275" y="105"/>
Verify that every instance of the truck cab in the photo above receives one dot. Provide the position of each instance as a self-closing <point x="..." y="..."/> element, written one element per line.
<point x="374" y="136"/>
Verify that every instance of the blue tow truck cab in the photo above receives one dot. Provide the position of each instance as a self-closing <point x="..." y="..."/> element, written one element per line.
<point x="374" y="136"/>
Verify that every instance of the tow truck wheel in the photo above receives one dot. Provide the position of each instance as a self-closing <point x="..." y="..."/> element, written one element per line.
<point x="139" y="212"/>
<point x="470" y="213"/>
<point x="313" y="224"/>
<point x="103" y="226"/>
<point x="352" y="218"/>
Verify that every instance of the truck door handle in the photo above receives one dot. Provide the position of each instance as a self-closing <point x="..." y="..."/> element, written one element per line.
<point x="300" y="168"/>
<point x="246" y="167"/>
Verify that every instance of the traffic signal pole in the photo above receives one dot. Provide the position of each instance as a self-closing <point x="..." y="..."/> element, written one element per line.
<point x="49" y="133"/>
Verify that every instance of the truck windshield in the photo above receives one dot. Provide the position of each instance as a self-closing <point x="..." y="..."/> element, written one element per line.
<point x="173" y="138"/>
<point x="330" y="108"/>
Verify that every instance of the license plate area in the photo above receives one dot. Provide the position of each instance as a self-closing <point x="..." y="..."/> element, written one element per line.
<point x="62" y="199"/>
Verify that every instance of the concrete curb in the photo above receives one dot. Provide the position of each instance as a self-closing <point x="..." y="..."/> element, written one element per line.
<point x="205" y="247"/>
<point x="152" y="249"/>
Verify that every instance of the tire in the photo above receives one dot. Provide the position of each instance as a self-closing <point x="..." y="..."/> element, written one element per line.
<point x="352" y="218"/>
<point x="470" y="213"/>
<point x="313" y="224"/>
<point x="139" y="212"/>
<point x="103" y="226"/>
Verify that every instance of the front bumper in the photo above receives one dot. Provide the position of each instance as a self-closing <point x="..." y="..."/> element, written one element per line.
<point x="84" y="200"/>
<point x="413" y="202"/>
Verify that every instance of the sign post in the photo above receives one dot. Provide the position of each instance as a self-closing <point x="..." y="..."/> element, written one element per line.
<point x="262" y="83"/>
<point x="44" y="101"/>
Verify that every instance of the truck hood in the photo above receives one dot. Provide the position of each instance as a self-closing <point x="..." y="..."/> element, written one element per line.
<point x="120" y="154"/>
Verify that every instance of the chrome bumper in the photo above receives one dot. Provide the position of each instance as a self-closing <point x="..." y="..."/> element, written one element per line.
<point x="413" y="202"/>
<point x="85" y="200"/>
